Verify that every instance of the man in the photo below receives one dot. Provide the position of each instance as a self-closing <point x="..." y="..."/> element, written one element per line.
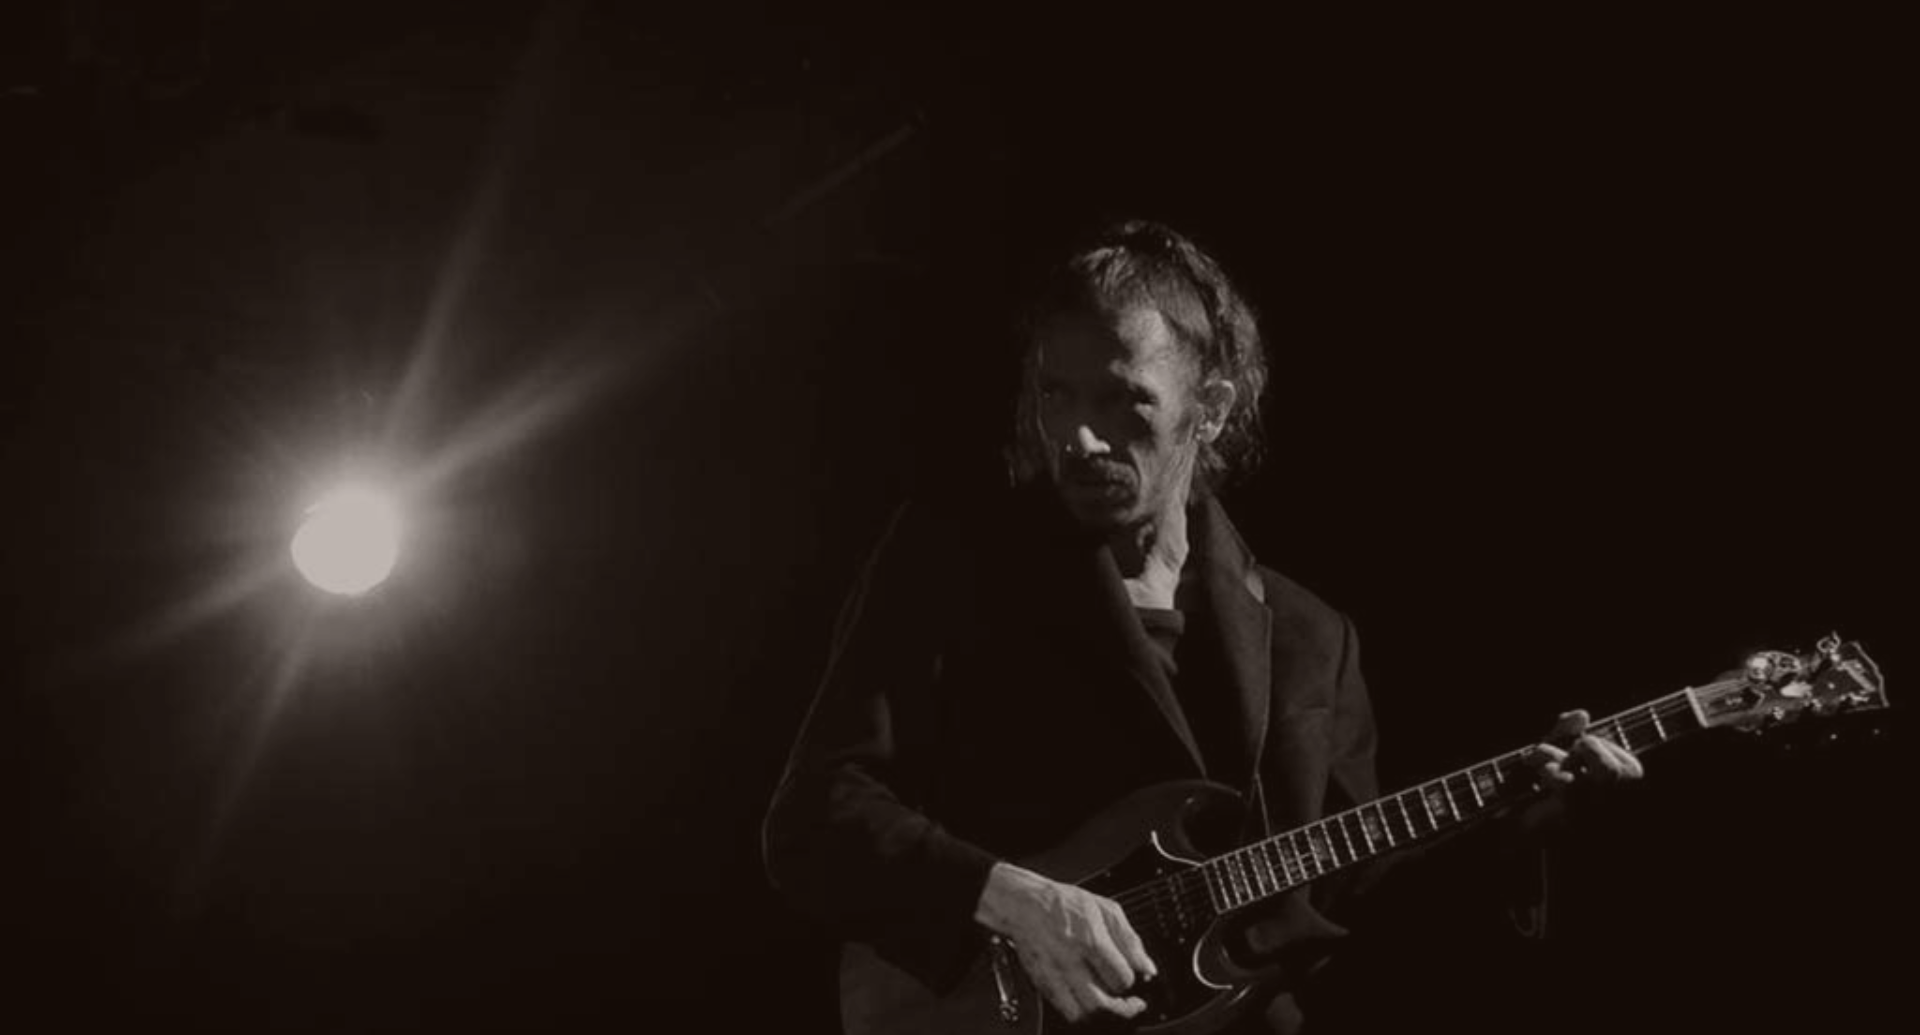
<point x="1006" y="669"/>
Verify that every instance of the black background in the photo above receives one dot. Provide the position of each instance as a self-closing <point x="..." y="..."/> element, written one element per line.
<point x="1584" y="334"/>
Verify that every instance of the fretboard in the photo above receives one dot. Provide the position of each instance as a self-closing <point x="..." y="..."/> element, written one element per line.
<point x="1286" y="861"/>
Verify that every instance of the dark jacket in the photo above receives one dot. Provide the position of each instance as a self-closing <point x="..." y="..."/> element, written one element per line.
<point x="991" y="687"/>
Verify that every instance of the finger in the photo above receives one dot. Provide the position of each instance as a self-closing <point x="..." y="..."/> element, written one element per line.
<point x="1570" y="725"/>
<point x="1053" y="984"/>
<point x="1104" y="959"/>
<point x="1091" y="998"/>
<point x="1614" y="750"/>
<point x="1129" y="942"/>
<point x="1549" y="764"/>
<point x="1610" y="760"/>
<point x="1540" y="756"/>
<point x="1084" y="984"/>
<point x="1125" y="1006"/>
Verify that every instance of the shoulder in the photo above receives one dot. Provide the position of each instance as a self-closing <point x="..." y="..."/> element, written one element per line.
<point x="1285" y="596"/>
<point x="1288" y="600"/>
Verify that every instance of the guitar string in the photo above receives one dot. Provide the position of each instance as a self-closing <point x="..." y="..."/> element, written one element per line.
<point x="1155" y="892"/>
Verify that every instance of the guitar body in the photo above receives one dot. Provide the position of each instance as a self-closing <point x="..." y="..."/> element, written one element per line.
<point x="1155" y="831"/>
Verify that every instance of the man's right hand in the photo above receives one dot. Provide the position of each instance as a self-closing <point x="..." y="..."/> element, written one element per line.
<point x="1076" y="946"/>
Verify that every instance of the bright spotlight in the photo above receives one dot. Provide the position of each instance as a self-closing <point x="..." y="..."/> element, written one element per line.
<point x="349" y="541"/>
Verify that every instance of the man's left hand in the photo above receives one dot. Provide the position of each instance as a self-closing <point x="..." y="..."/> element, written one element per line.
<point x="1584" y="758"/>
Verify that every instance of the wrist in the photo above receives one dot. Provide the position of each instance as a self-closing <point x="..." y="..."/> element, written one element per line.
<point x="1007" y="888"/>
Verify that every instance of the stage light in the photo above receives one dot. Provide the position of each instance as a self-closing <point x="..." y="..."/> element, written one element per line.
<point x="349" y="541"/>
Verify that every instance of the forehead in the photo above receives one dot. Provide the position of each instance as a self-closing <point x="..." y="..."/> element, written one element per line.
<point x="1131" y="342"/>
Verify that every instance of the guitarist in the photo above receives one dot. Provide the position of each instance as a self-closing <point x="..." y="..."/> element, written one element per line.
<point x="1007" y="667"/>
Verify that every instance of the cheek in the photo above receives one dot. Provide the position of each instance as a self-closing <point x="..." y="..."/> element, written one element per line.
<point x="1052" y="427"/>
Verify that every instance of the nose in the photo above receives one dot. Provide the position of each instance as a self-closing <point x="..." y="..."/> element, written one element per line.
<point x="1086" y="443"/>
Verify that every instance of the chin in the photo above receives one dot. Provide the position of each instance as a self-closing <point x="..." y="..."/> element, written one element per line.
<point x="1100" y="515"/>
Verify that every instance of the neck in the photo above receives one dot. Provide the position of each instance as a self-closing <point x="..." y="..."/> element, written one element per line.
<point x="1304" y="854"/>
<point x="1151" y="553"/>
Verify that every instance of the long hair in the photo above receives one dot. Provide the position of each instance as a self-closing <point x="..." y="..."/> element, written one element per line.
<point x="1145" y="263"/>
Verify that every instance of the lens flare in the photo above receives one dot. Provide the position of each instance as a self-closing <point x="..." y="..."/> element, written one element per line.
<point x="349" y="541"/>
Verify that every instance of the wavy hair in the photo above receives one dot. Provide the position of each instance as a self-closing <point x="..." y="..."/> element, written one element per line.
<point x="1145" y="263"/>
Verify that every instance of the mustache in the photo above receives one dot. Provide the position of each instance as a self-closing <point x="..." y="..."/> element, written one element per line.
<point x="1089" y="470"/>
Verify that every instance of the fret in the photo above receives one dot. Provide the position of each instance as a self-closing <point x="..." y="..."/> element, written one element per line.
<point x="1659" y="730"/>
<point x="1473" y="784"/>
<point x="1406" y="817"/>
<point x="1620" y="734"/>
<point x="1236" y="866"/>
<point x="1510" y="766"/>
<point x="1503" y="771"/>
<point x="1326" y="840"/>
<point x="1432" y="802"/>
<point x="1360" y="817"/>
<point x="1321" y="858"/>
<point x="1234" y="892"/>
<point x="1292" y="860"/>
<point x="1452" y="806"/>
<point x="1214" y="893"/>
<point x="1343" y="819"/>
<point x="1386" y="828"/>
<point x="1279" y="853"/>
<point x="1264" y="871"/>
<point x="1305" y="857"/>
<point x="1281" y="878"/>
<point x="1341" y="829"/>
<point x="1293" y="853"/>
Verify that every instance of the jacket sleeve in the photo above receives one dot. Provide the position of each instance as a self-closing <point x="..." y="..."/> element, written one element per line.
<point x="843" y="840"/>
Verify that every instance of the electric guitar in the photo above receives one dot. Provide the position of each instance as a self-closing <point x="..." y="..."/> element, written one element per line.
<point x="1140" y="852"/>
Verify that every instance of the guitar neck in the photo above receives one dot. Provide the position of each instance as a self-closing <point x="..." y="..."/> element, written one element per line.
<point x="1286" y="861"/>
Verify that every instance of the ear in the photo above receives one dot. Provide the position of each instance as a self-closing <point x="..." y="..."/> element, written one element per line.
<point x="1217" y="397"/>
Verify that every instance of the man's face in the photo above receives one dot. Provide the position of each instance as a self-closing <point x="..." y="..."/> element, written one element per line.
<point x="1118" y="413"/>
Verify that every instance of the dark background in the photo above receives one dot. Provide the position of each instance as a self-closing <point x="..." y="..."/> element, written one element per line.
<point x="1584" y="337"/>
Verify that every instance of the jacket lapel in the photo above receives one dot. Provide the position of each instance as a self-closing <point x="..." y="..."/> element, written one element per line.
<point x="1244" y="625"/>
<point x="1118" y="636"/>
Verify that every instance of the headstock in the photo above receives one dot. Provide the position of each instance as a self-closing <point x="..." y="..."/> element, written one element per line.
<point x="1776" y="687"/>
